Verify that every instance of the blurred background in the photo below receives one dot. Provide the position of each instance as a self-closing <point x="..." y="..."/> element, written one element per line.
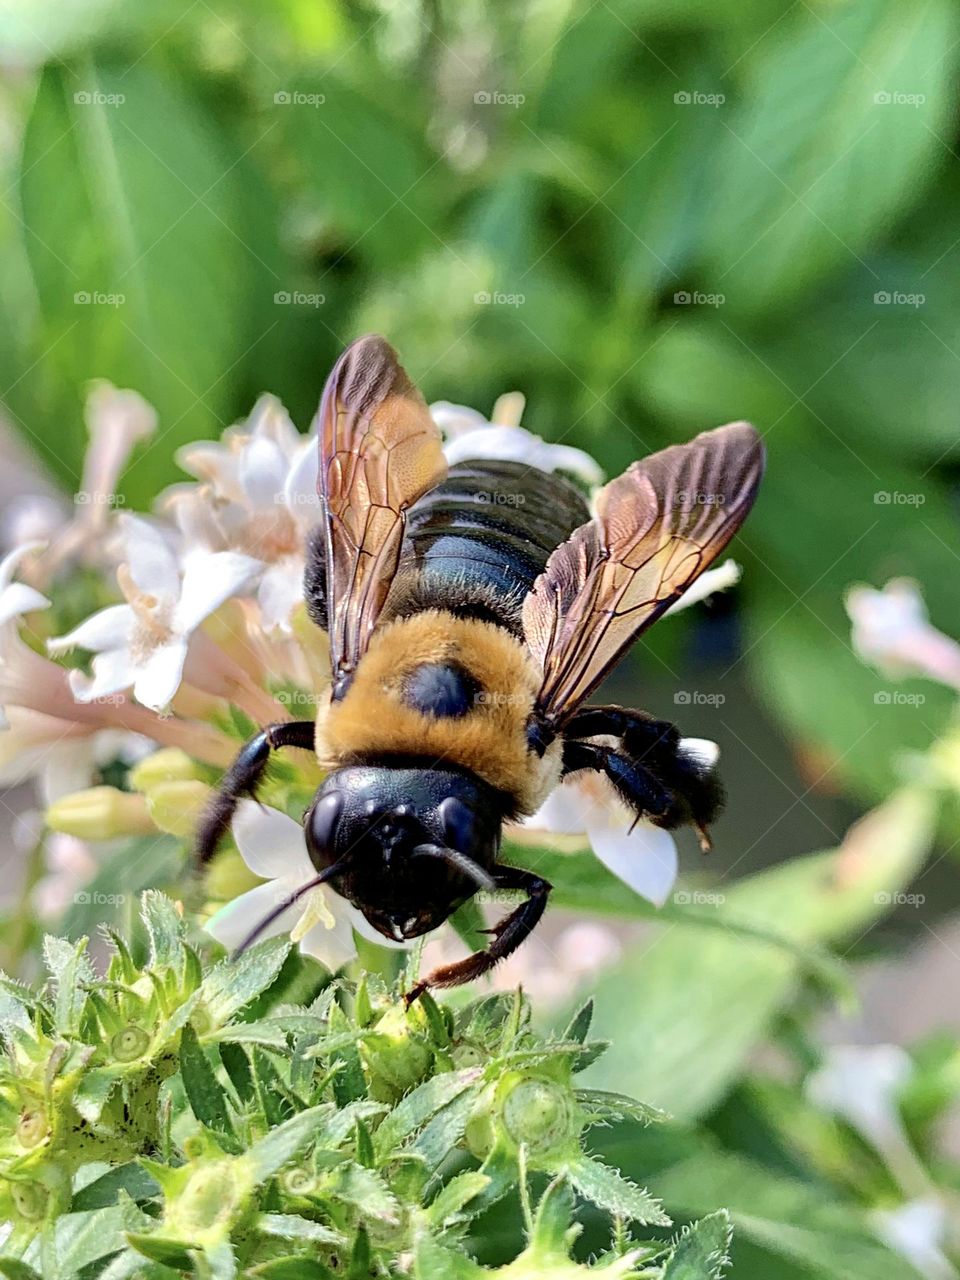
<point x="650" y="216"/>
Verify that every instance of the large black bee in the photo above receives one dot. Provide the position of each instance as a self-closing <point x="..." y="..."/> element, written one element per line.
<point x="471" y="612"/>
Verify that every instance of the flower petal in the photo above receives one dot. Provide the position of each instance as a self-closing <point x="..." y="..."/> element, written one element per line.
<point x="17" y="599"/>
<point x="110" y="628"/>
<point x="702" y="751"/>
<point x="516" y="444"/>
<point x="263" y="472"/>
<point x="333" y="946"/>
<point x="113" y="672"/>
<point x="271" y="843"/>
<point x="456" y="420"/>
<point x="8" y="565"/>
<point x="564" y="812"/>
<point x="234" y="923"/>
<point x="644" y="858"/>
<point x="158" y="679"/>
<point x="279" y="593"/>
<point x="719" y="579"/>
<point x="153" y="566"/>
<point x="210" y="578"/>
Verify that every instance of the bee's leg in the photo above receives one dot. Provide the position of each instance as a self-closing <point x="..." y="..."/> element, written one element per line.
<point x="243" y="776"/>
<point x="507" y="935"/>
<point x="639" y="732"/>
<point x="636" y="786"/>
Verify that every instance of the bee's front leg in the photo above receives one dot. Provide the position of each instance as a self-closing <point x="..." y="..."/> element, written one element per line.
<point x="511" y="931"/>
<point x="243" y="777"/>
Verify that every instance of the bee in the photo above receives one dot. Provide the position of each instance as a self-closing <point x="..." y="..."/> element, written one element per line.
<point x="471" y="612"/>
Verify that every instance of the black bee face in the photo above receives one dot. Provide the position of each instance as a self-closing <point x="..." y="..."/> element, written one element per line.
<point x="414" y="843"/>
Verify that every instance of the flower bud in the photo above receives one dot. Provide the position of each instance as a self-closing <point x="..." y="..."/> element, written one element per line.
<point x="177" y="807"/>
<point x="33" y="1127"/>
<point x="100" y="813"/>
<point x="129" y="1043"/>
<point x="30" y="1199"/>
<point x="170" y="764"/>
<point x="228" y="876"/>
<point x="210" y="1202"/>
<point x="536" y="1112"/>
<point x="394" y="1058"/>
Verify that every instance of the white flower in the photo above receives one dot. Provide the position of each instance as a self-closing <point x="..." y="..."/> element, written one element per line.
<point x="469" y="435"/>
<point x="891" y="631"/>
<point x="861" y="1084"/>
<point x="641" y="855"/>
<point x="258" y="496"/>
<point x="273" y="847"/>
<point x="917" y="1230"/>
<point x="144" y="642"/>
<point x="16" y="599"/>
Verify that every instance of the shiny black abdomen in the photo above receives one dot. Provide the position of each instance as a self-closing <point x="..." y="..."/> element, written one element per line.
<point x="476" y="543"/>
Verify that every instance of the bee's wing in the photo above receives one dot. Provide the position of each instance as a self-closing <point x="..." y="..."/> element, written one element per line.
<point x="657" y="527"/>
<point x="379" y="452"/>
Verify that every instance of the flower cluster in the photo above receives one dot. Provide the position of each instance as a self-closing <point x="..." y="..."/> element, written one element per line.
<point x="198" y="636"/>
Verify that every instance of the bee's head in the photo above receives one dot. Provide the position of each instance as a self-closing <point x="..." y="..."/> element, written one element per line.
<point x="414" y="843"/>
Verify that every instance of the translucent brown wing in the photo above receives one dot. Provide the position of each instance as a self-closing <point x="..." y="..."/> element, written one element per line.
<point x="379" y="452"/>
<point x="657" y="527"/>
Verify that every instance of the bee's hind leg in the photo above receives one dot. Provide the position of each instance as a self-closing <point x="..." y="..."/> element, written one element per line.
<point x="635" y="785"/>
<point x="511" y="931"/>
<point x="243" y="777"/>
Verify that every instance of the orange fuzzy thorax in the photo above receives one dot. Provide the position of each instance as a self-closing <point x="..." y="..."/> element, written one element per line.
<point x="372" y="720"/>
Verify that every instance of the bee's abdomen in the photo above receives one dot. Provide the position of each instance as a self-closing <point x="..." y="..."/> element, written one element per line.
<point x="475" y="545"/>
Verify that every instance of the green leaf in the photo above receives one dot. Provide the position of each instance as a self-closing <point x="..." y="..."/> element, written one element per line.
<point x="204" y="1091"/>
<point x="234" y="983"/>
<point x="131" y="1179"/>
<point x="14" y="1269"/>
<point x="283" y="1143"/>
<point x="702" y="1250"/>
<point x="603" y="1186"/>
<point x="730" y="987"/>
<point x="114" y="259"/>
<point x="432" y="1261"/>
<point x="603" y="1107"/>
<point x="814" y="163"/>
<point x="290" y="1226"/>
<point x="70" y="969"/>
<point x="80" y="1239"/>
<point x="413" y="1111"/>
<point x="452" y="1199"/>
<point x="165" y="929"/>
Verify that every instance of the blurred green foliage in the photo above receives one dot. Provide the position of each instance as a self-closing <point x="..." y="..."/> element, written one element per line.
<point x="650" y="215"/>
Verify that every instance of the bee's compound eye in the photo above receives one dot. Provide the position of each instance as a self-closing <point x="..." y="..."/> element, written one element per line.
<point x="323" y="822"/>
<point x="458" y="824"/>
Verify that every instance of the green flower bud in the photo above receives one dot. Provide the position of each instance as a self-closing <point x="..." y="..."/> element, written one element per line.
<point x="177" y="807"/>
<point x="130" y="1043"/>
<point x="536" y="1112"/>
<point x="33" y="1127"/>
<point x="170" y="764"/>
<point x="394" y="1059"/>
<point x="30" y="1200"/>
<point x="210" y="1200"/>
<point x="539" y="1114"/>
<point x="100" y="813"/>
<point x="299" y="1182"/>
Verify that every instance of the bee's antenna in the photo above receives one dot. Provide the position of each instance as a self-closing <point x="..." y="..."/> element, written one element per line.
<point x="453" y="858"/>
<point x="278" y="911"/>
